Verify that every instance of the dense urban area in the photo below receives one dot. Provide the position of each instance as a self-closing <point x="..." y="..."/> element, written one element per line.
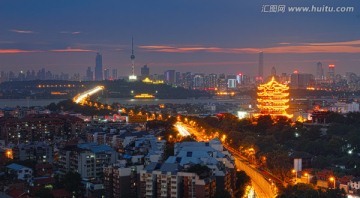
<point x="179" y="99"/>
<point x="230" y="136"/>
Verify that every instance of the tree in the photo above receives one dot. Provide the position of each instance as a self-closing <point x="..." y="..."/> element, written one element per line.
<point x="44" y="193"/>
<point x="353" y="118"/>
<point x="279" y="163"/>
<point x="334" y="117"/>
<point x="222" y="193"/>
<point x="320" y="162"/>
<point x="72" y="182"/>
<point x="264" y="123"/>
<point x="242" y="180"/>
<point x="52" y="107"/>
<point x="299" y="191"/>
<point x="169" y="149"/>
<point x="188" y="139"/>
<point x="333" y="193"/>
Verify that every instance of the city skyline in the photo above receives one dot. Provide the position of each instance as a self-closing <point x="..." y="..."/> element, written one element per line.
<point x="181" y="35"/>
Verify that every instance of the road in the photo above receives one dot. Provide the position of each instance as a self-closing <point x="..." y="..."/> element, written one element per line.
<point x="80" y="97"/>
<point x="260" y="180"/>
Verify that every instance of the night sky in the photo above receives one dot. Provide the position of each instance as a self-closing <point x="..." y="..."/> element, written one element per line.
<point x="220" y="36"/>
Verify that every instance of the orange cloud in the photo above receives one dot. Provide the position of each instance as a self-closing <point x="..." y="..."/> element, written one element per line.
<point x="22" y="31"/>
<point x="155" y="46"/>
<point x="282" y="48"/>
<point x="355" y="42"/>
<point x="213" y="63"/>
<point x="311" y="49"/>
<point x="174" y="49"/>
<point x="15" y="51"/>
<point x="71" y="50"/>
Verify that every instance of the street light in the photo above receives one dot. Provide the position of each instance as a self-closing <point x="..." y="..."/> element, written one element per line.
<point x="294" y="171"/>
<point x="307" y="175"/>
<point x="332" y="179"/>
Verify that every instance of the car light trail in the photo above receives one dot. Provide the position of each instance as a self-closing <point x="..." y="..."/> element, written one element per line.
<point x="81" y="97"/>
<point x="182" y="131"/>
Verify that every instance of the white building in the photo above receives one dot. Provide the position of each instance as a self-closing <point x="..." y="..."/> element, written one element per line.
<point x="231" y="83"/>
<point x="87" y="159"/>
<point x="172" y="179"/>
<point x="22" y="172"/>
<point x="354" y="184"/>
<point x="343" y="107"/>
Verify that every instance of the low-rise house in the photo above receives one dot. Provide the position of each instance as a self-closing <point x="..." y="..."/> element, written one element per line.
<point x="22" y="172"/>
<point x="354" y="185"/>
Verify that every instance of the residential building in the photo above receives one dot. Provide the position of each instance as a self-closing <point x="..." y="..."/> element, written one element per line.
<point x="21" y="172"/>
<point x="87" y="159"/>
<point x="121" y="180"/>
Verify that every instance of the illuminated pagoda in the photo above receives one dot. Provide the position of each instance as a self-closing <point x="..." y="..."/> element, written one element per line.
<point x="273" y="98"/>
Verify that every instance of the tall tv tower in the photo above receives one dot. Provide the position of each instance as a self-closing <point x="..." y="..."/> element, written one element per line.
<point x="132" y="77"/>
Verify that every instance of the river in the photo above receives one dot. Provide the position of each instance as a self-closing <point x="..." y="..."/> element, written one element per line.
<point x="44" y="102"/>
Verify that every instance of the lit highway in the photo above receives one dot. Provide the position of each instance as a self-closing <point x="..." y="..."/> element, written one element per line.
<point x="182" y="131"/>
<point x="261" y="187"/>
<point x="80" y="97"/>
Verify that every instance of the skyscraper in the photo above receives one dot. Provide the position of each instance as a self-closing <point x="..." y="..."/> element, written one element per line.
<point x="331" y="74"/>
<point x="301" y="81"/>
<point x="107" y="74"/>
<point x="319" y="71"/>
<point x="89" y="74"/>
<point x="199" y="81"/>
<point x="213" y="81"/>
<point x="273" y="71"/>
<point x="98" y="67"/>
<point x="261" y="65"/>
<point x="114" y="74"/>
<point x="132" y="76"/>
<point x="145" y="71"/>
<point x="169" y="76"/>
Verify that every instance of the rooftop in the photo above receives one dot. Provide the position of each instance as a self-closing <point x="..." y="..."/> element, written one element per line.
<point x="15" y="166"/>
<point x="95" y="148"/>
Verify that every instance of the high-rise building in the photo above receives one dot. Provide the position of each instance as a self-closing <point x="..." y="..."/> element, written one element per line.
<point x="331" y="73"/>
<point x="41" y="75"/>
<point x="114" y="75"/>
<point x="319" y="71"/>
<point x="88" y="159"/>
<point x="107" y="74"/>
<point x="199" y="81"/>
<point x="273" y="71"/>
<point x="301" y="81"/>
<point x="213" y="81"/>
<point x="222" y="83"/>
<point x="121" y="181"/>
<point x="169" y="76"/>
<point x="261" y="66"/>
<point x="187" y="80"/>
<point x="89" y="74"/>
<point x="231" y="83"/>
<point x="132" y="76"/>
<point x="98" y="67"/>
<point x="177" y="78"/>
<point x="240" y="79"/>
<point x="145" y="71"/>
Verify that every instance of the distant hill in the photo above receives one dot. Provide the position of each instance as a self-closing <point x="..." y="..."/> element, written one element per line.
<point x="113" y="89"/>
